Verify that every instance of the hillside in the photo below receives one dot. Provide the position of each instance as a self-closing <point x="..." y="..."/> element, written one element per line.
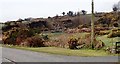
<point x="62" y="31"/>
<point x="52" y="23"/>
<point x="61" y="23"/>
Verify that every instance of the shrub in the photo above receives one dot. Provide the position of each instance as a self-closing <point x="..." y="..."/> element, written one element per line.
<point x="116" y="24"/>
<point x="114" y="33"/>
<point x="16" y="35"/>
<point x="102" y="32"/>
<point x="83" y="26"/>
<point x="60" y="41"/>
<point x="73" y="43"/>
<point x="34" y="41"/>
<point x="87" y="42"/>
<point x="9" y="41"/>
<point x="45" y="37"/>
<point x="99" y="44"/>
<point x="10" y="37"/>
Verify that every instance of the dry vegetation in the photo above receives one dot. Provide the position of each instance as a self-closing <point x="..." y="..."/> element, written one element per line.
<point x="73" y="31"/>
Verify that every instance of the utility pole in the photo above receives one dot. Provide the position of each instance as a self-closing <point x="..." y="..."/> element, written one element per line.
<point x="92" y="26"/>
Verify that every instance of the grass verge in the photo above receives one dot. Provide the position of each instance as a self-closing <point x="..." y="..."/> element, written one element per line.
<point x="107" y="41"/>
<point x="63" y="51"/>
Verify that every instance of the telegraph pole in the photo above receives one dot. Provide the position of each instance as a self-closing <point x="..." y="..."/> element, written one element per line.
<point x="92" y="26"/>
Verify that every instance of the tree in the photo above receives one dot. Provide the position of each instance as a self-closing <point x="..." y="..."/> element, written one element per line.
<point x="115" y="7"/>
<point x="75" y="14"/>
<point x="63" y="13"/>
<point x="28" y="19"/>
<point x="70" y="13"/>
<point x="84" y="12"/>
<point x="78" y="13"/>
<point x="20" y="20"/>
<point x="49" y="17"/>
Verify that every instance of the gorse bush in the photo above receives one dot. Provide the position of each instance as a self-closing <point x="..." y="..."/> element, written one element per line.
<point x="73" y="43"/>
<point x="102" y="32"/>
<point x="114" y="33"/>
<point x="34" y="41"/>
<point x="16" y="35"/>
<point x="10" y="37"/>
<point x="86" y="42"/>
<point x="45" y="37"/>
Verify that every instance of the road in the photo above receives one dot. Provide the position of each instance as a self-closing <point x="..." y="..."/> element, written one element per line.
<point x="16" y="55"/>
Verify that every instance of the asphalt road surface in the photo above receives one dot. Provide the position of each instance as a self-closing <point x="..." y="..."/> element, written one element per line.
<point x="15" y="55"/>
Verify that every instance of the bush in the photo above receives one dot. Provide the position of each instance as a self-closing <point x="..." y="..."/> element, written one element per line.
<point x="9" y="41"/>
<point x="60" y="41"/>
<point x="34" y="41"/>
<point x="114" y="33"/>
<point x="102" y="32"/>
<point x="116" y="24"/>
<point x="99" y="44"/>
<point x="73" y="43"/>
<point x="16" y="35"/>
<point x="86" y="42"/>
<point x="45" y="37"/>
<point x="10" y="37"/>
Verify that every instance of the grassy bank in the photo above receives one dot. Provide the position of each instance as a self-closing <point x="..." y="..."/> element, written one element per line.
<point x="108" y="41"/>
<point x="63" y="51"/>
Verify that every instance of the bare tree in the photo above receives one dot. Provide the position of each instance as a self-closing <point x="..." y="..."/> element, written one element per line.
<point x="78" y="13"/>
<point x="84" y="12"/>
<point x="63" y="13"/>
<point x="116" y="7"/>
<point x="70" y="13"/>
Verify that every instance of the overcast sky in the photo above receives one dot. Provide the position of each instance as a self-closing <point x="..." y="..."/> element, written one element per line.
<point x="15" y="9"/>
